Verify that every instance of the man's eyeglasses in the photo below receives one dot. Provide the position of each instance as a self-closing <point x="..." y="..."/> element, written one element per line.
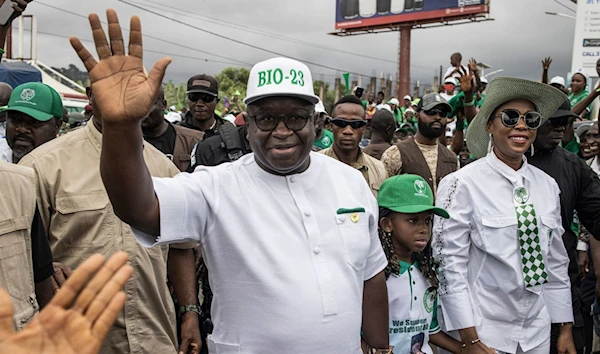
<point x="343" y="123"/>
<point x="560" y="121"/>
<point x="197" y="96"/>
<point x="268" y="123"/>
<point x="432" y="112"/>
<point x="511" y="117"/>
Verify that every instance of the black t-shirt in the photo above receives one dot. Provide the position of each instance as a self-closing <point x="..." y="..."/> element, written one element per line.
<point x="165" y="143"/>
<point x="40" y="250"/>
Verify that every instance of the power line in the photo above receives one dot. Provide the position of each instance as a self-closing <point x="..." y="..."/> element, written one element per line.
<point x="315" y="74"/>
<point x="165" y="53"/>
<point x="145" y="50"/>
<point x="148" y="36"/>
<point x="259" y="31"/>
<point x="235" y="40"/>
<point x="565" y="6"/>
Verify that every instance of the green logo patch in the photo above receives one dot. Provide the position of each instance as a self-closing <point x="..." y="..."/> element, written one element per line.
<point x="429" y="299"/>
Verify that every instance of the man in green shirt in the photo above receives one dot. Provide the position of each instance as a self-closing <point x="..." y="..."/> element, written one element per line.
<point x="324" y="138"/>
<point x="396" y="110"/>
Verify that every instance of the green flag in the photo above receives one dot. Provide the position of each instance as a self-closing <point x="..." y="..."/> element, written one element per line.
<point x="347" y="81"/>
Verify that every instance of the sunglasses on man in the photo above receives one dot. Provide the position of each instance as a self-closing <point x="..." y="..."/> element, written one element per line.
<point x="443" y="113"/>
<point x="511" y="117"/>
<point x="204" y="97"/>
<point x="343" y="123"/>
<point x="560" y="121"/>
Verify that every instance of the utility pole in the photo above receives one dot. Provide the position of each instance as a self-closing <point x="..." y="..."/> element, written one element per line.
<point x="337" y="88"/>
<point x="9" y="43"/>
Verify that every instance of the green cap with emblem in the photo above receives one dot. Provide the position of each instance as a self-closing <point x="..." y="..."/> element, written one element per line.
<point x="280" y="77"/>
<point x="37" y="100"/>
<point x="408" y="194"/>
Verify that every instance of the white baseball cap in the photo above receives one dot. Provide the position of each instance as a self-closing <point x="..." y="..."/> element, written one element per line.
<point x="386" y="107"/>
<point x="558" y="80"/>
<point x="450" y="80"/>
<point x="320" y="108"/>
<point x="407" y="97"/>
<point x="280" y="77"/>
<point x="394" y="101"/>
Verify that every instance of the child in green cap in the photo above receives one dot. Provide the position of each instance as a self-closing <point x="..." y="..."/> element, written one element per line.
<point x="406" y="212"/>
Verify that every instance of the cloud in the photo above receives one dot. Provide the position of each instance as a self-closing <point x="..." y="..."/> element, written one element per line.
<point x="520" y="36"/>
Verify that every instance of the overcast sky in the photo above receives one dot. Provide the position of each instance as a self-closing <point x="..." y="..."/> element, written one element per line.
<point x="520" y="36"/>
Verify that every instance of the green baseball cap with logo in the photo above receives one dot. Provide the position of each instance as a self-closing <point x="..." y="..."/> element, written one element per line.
<point x="408" y="194"/>
<point x="37" y="100"/>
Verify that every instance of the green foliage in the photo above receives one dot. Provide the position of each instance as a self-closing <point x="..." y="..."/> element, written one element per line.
<point x="175" y="95"/>
<point x="73" y="73"/>
<point x="231" y="80"/>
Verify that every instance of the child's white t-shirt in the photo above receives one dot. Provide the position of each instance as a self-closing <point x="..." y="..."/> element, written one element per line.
<point x="413" y="310"/>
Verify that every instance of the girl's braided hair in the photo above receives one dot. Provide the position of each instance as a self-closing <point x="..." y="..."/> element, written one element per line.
<point x="427" y="265"/>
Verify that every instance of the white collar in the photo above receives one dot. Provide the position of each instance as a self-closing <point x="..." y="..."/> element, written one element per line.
<point x="515" y="177"/>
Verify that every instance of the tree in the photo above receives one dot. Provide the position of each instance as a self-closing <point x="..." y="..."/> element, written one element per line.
<point x="73" y="73"/>
<point x="175" y="95"/>
<point x="232" y="80"/>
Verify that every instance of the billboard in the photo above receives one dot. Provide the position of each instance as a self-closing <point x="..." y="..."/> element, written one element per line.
<point x="586" y="45"/>
<point x="367" y="13"/>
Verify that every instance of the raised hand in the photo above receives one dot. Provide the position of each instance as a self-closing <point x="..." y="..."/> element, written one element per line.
<point x="466" y="83"/>
<point x="473" y="68"/>
<point x="546" y="63"/>
<point x="79" y="316"/>
<point x="122" y="92"/>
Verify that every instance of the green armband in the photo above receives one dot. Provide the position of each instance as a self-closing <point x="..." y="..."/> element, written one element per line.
<point x="460" y="125"/>
<point x="470" y="104"/>
<point x="2" y="51"/>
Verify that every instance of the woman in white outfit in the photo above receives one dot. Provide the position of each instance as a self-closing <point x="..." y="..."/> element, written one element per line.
<point x="503" y="266"/>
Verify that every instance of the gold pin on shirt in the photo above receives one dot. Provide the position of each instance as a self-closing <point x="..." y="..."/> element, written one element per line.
<point x="354" y="218"/>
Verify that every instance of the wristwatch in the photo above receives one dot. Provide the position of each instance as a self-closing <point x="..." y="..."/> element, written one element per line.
<point x="389" y="350"/>
<point x="190" y="308"/>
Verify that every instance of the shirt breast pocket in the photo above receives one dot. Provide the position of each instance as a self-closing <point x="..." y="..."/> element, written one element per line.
<point x="84" y="221"/>
<point x="14" y="260"/>
<point x="354" y="229"/>
<point x="548" y="225"/>
<point x="500" y="234"/>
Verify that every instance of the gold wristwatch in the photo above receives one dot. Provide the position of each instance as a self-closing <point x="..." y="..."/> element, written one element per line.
<point x="389" y="350"/>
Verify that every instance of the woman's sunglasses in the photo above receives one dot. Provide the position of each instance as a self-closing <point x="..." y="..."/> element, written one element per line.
<point x="511" y="117"/>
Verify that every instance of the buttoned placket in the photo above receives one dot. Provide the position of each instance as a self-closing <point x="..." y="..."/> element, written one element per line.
<point x="517" y="179"/>
<point x="315" y="244"/>
<point x="130" y="288"/>
<point x="130" y="309"/>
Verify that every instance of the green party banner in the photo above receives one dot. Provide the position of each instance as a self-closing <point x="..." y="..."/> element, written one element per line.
<point x="347" y="81"/>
